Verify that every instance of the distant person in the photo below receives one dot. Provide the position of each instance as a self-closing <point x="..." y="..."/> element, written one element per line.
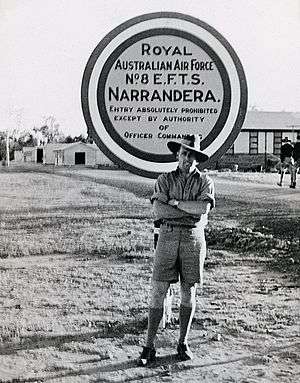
<point x="182" y="199"/>
<point x="286" y="159"/>
<point x="296" y="157"/>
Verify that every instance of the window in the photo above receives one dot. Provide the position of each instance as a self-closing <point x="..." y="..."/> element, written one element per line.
<point x="277" y="142"/>
<point x="253" y="142"/>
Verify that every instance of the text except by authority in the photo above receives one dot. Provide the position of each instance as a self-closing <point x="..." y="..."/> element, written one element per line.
<point x="189" y="119"/>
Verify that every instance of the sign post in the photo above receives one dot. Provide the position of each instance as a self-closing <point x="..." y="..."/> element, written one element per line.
<point x="159" y="77"/>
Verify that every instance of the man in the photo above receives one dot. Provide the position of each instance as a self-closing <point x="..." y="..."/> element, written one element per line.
<point x="296" y="157"/>
<point x="287" y="161"/>
<point x="181" y="200"/>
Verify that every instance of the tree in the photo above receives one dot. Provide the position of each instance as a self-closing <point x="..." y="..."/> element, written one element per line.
<point x="28" y="139"/>
<point x="68" y="139"/>
<point x="13" y="128"/>
<point x="2" y="146"/>
<point x="49" y="131"/>
<point x="80" y="138"/>
<point x="9" y="144"/>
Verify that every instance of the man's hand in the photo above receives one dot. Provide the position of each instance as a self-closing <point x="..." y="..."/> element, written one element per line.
<point x="195" y="208"/>
<point x="165" y="211"/>
<point x="173" y="202"/>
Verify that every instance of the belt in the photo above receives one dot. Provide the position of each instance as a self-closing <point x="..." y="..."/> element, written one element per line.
<point x="178" y="225"/>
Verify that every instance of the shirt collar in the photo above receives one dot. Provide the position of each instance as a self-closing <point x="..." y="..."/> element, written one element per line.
<point x="179" y="172"/>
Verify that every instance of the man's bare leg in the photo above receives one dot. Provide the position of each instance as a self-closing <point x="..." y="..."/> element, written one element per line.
<point x="282" y="172"/>
<point x="293" y="170"/>
<point x="186" y="314"/>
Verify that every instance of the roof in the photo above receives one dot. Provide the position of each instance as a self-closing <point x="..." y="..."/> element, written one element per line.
<point x="271" y="120"/>
<point x="68" y="146"/>
<point x="54" y="146"/>
<point x="28" y="148"/>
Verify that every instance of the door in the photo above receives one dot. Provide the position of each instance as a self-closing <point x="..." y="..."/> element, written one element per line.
<point x="39" y="156"/>
<point x="79" y="158"/>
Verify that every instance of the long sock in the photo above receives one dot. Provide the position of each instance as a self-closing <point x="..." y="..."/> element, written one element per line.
<point x="185" y="320"/>
<point x="154" y="318"/>
<point x="281" y="177"/>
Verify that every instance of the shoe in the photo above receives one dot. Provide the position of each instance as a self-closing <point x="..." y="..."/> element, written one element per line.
<point x="293" y="185"/>
<point x="184" y="352"/>
<point x="147" y="357"/>
<point x="279" y="184"/>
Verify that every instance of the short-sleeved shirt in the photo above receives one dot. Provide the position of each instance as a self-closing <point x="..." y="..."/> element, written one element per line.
<point x="296" y="151"/>
<point x="174" y="185"/>
<point x="286" y="151"/>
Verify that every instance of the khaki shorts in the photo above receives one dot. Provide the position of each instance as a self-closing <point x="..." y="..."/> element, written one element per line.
<point x="297" y="163"/>
<point x="180" y="252"/>
<point x="287" y="163"/>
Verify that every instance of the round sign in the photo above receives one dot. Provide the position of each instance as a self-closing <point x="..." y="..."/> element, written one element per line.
<point x="159" y="77"/>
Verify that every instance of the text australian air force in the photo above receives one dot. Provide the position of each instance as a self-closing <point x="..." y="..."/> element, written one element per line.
<point x="180" y="59"/>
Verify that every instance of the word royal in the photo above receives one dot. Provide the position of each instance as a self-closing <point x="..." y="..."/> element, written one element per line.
<point x="159" y="50"/>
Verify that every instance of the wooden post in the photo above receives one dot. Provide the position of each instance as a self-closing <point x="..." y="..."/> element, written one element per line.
<point x="7" y="148"/>
<point x="167" y="313"/>
<point x="167" y="318"/>
<point x="266" y="162"/>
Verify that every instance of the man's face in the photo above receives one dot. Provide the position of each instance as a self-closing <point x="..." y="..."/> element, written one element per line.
<point x="186" y="159"/>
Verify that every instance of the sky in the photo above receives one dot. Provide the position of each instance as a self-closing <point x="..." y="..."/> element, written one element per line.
<point x="45" y="45"/>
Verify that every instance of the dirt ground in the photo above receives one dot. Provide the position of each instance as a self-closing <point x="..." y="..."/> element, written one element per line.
<point x="81" y="316"/>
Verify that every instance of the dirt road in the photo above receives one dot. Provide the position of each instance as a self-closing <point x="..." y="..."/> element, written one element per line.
<point x="246" y="327"/>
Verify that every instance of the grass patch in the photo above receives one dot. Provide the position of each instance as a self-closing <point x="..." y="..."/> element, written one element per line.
<point x="66" y="216"/>
<point x="283" y="253"/>
<point x="111" y="217"/>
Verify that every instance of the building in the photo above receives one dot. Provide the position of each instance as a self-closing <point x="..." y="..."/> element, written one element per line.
<point x="260" y="139"/>
<point x="49" y="153"/>
<point x="29" y="154"/>
<point x="18" y="156"/>
<point x="60" y="154"/>
<point x="77" y="153"/>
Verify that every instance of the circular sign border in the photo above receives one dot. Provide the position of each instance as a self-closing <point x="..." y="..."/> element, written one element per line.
<point x="242" y="109"/>
<point x="119" y="50"/>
